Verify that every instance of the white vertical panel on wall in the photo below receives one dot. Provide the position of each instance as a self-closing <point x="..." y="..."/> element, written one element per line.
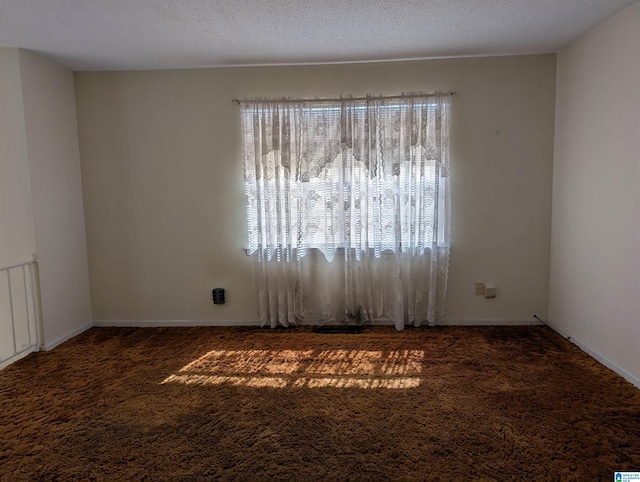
<point x="6" y="330"/>
<point x="18" y="325"/>
<point x="19" y="306"/>
<point x="30" y="283"/>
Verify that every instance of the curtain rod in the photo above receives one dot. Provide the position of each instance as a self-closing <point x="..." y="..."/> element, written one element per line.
<point x="336" y="99"/>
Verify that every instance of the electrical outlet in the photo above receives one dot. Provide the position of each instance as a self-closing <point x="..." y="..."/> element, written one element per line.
<point x="490" y="291"/>
<point x="480" y="291"/>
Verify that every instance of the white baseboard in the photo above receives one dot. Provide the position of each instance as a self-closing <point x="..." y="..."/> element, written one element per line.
<point x="17" y="357"/>
<point x="68" y="336"/>
<point x="492" y="322"/>
<point x="173" y="323"/>
<point x="454" y="322"/>
<point x="589" y="350"/>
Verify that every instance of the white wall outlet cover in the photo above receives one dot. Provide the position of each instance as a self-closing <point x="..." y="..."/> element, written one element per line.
<point x="490" y="290"/>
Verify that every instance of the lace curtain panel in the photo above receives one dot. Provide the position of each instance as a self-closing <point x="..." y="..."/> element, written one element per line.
<point x="348" y="208"/>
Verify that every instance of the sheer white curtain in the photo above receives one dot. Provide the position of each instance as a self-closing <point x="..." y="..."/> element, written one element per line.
<point x="348" y="208"/>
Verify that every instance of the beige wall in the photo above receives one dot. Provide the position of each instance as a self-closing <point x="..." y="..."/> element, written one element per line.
<point x="595" y="261"/>
<point x="17" y="235"/>
<point x="40" y="191"/>
<point x="164" y="196"/>
<point x="54" y="171"/>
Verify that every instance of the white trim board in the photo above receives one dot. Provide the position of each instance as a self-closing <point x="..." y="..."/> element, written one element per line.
<point x="592" y="352"/>
<point x="68" y="336"/>
<point x="494" y="322"/>
<point x="172" y="323"/>
<point x="176" y="323"/>
<point x="17" y="357"/>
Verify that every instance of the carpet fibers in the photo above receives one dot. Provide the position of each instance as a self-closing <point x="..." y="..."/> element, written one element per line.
<point x="451" y="403"/>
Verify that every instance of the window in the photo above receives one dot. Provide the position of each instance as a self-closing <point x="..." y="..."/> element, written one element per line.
<point x="364" y="175"/>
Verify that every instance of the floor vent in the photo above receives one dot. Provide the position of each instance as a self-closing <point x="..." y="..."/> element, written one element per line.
<point x="338" y="330"/>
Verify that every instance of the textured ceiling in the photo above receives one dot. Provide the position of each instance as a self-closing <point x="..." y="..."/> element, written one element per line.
<point x="164" y="34"/>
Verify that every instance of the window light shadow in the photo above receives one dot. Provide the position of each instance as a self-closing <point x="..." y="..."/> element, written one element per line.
<point x="395" y="369"/>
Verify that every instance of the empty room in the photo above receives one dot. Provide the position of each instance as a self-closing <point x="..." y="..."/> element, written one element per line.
<point x="320" y="240"/>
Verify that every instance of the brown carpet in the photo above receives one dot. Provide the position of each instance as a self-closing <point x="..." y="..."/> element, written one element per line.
<point x="457" y="403"/>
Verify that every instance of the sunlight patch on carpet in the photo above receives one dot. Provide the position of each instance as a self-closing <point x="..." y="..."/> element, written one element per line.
<point x="399" y="369"/>
<point x="259" y="382"/>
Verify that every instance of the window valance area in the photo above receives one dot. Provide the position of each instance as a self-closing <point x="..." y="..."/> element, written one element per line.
<point x="303" y="137"/>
